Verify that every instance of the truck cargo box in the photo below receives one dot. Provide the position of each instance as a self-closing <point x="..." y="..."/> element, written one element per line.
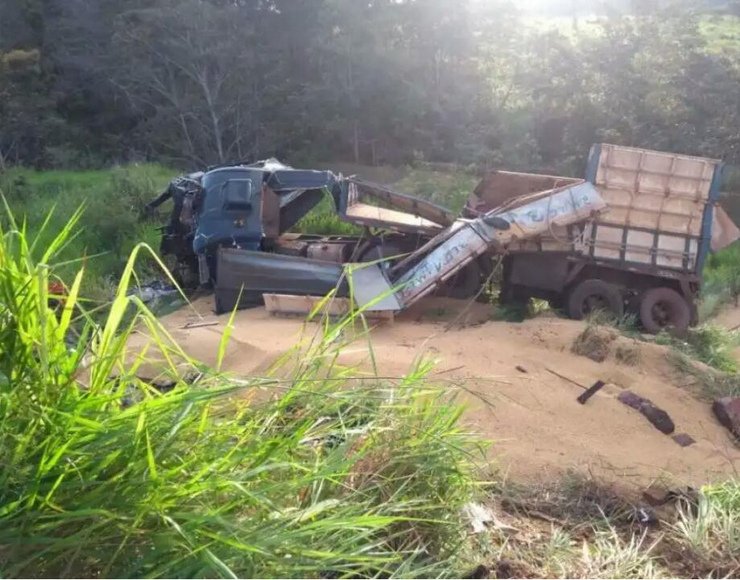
<point x="661" y="208"/>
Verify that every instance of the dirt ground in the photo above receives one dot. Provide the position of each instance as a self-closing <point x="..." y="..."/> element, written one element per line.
<point x="510" y="377"/>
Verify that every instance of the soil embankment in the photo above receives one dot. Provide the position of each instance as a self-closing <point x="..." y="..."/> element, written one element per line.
<point x="518" y="382"/>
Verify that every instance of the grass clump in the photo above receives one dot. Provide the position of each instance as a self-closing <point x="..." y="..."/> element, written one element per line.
<point x="595" y="342"/>
<point x="578" y="527"/>
<point x="104" y="476"/>
<point x="628" y="353"/>
<point x="709" y="533"/>
<point x="721" y="281"/>
<point x="324" y="220"/>
<point x="571" y="528"/>
<point x="708" y="343"/>
<point x="710" y="383"/>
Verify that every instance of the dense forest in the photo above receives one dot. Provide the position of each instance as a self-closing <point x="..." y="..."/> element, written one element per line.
<point x="87" y="83"/>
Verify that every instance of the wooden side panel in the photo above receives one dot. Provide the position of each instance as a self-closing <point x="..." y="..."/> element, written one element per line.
<point x="293" y="305"/>
<point x="659" y="199"/>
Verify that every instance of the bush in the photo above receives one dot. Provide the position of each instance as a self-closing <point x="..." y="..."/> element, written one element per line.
<point x="104" y="476"/>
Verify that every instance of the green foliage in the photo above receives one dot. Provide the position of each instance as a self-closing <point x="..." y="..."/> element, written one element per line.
<point x="708" y="343"/>
<point x="710" y="383"/>
<point x="377" y="83"/>
<point x="710" y="532"/>
<point x="104" y="476"/>
<point x="721" y="281"/>
<point x="449" y="188"/>
<point x="323" y="220"/>
<point x="112" y="225"/>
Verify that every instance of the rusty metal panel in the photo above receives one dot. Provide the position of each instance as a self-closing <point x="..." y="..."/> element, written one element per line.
<point x="499" y="187"/>
<point x="372" y="205"/>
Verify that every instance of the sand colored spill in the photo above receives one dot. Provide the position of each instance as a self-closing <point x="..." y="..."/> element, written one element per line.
<point x="537" y="427"/>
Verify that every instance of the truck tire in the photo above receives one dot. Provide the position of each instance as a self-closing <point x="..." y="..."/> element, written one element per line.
<point x="664" y="309"/>
<point x="592" y="295"/>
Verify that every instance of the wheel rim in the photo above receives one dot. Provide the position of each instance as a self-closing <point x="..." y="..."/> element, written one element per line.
<point x="662" y="313"/>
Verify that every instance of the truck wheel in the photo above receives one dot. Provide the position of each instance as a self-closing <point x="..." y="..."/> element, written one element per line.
<point x="592" y="295"/>
<point x="665" y="309"/>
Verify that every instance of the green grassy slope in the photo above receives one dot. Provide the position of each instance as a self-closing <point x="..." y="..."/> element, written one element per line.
<point x="112" y="200"/>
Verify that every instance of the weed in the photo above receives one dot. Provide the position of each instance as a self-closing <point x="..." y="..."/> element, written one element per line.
<point x="711" y="384"/>
<point x="595" y="342"/>
<point x="106" y="476"/>
<point x="323" y="219"/>
<point x="590" y="532"/>
<point x="711" y="530"/>
<point x="721" y="281"/>
<point x="626" y="323"/>
<point x="112" y="199"/>
<point x="707" y="343"/>
<point x="628" y="353"/>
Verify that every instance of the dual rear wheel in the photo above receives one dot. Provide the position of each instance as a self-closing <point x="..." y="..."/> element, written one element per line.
<point x="658" y="308"/>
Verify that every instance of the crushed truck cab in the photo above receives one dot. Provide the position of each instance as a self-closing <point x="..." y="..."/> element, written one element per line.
<point x="230" y="228"/>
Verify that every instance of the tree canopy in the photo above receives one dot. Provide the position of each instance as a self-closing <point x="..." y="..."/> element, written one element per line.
<point x="192" y="82"/>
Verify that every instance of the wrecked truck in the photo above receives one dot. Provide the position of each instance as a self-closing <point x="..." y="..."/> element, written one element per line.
<point x="642" y="255"/>
<point x="632" y="236"/>
<point x="230" y="228"/>
<point x="641" y="250"/>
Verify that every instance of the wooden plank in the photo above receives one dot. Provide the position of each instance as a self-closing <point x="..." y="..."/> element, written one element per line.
<point x="297" y="305"/>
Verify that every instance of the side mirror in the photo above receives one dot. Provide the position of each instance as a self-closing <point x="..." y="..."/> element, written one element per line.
<point x="496" y="222"/>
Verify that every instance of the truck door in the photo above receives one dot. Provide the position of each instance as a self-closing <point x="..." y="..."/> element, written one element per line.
<point x="230" y="211"/>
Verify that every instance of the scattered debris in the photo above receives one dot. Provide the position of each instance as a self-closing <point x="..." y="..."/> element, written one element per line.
<point x="153" y="291"/>
<point x="658" y="417"/>
<point x="571" y="381"/>
<point x="481" y="516"/>
<point x="727" y="411"/>
<point x="590" y="392"/>
<point x="686" y="498"/>
<point x="200" y="324"/>
<point x="595" y="342"/>
<point x="684" y="439"/>
<point x="645" y="516"/>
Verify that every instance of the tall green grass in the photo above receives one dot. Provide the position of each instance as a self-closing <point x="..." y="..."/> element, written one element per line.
<point x="112" y="225"/>
<point x="721" y="281"/>
<point x="105" y="476"/>
<point x="707" y="343"/>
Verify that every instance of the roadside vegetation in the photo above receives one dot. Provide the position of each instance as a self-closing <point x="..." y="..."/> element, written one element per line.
<point x="578" y="528"/>
<point x="113" y="223"/>
<point x="108" y="475"/>
<point x="104" y="475"/>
